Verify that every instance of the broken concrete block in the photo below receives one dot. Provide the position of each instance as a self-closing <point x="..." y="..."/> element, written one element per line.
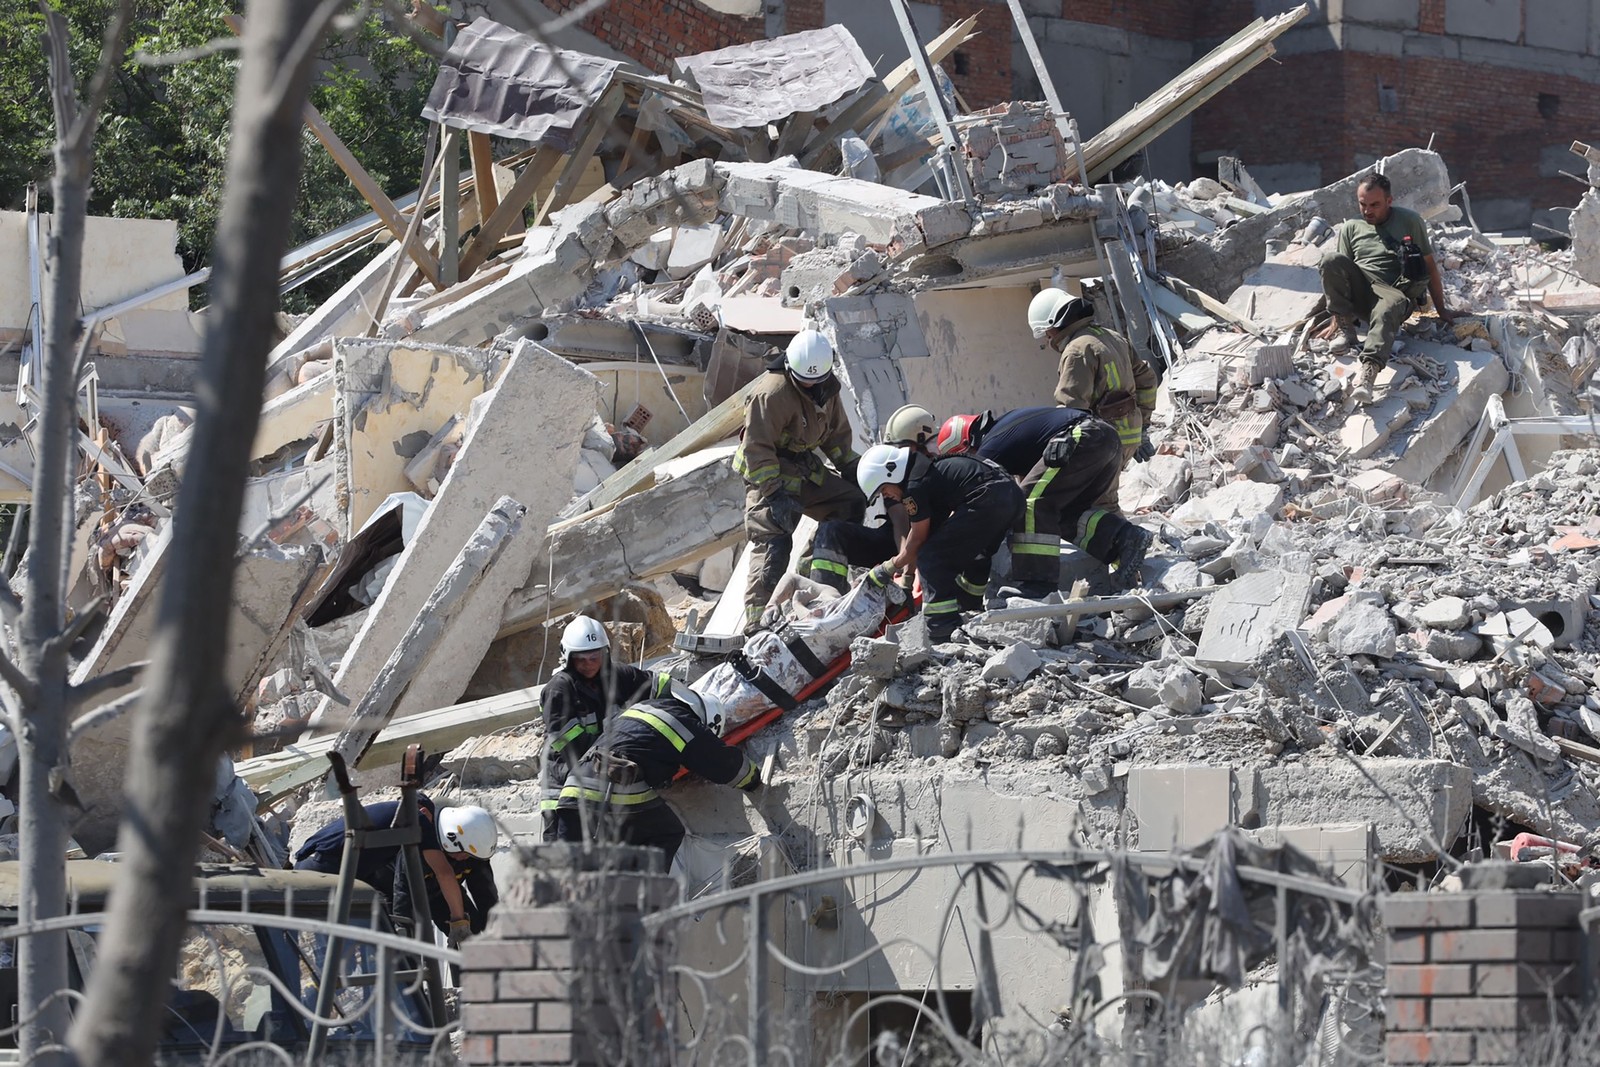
<point x="1143" y="687"/>
<point x="1159" y="481"/>
<point x="1521" y="728"/>
<point x="693" y="248"/>
<point x="1247" y="431"/>
<point x="1246" y="617"/>
<point x="1371" y="428"/>
<point x="1377" y="487"/>
<point x="1242" y="500"/>
<point x="1445" y="613"/>
<point x="653" y="253"/>
<point x="1197" y="379"/>
<point x="1449" y="645"/>
<point x="1470" y="379"/>
<point x="1363" y="628"/>
<point x="1013" y="664"/>
<point x="1180" y="691"/>
<point x="874" y="657"/>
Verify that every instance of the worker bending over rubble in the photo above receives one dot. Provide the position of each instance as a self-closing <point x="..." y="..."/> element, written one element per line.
<point x="1099" y="374"/>
<point x="840" y="544"/>
<point x="960" y="509"/>
<point x="1064" y="459"/>
<point x="640" y="752"/>
<point x="456" y="845"/>
<point x="793" y="412"/>
<point x="580" y="697"/>
<point x="1380" y="271"/>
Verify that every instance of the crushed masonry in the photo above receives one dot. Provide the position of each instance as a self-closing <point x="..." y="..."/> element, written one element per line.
<point x="1369" y="630"/>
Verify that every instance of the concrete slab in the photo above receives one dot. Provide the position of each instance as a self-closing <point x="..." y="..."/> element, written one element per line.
<point x="498" y="458"/>
<point x="1497" y="20"/>
<point x="1198" y="379"/>
<point x="1472" y="377"/>
<point x="1236" y="500"/>
<point x="1277" y="294"/>
<point x="1434" y="795"/>
<point x="1369" y="428"/>
<point x="389" y="399"/>
<point x="121" y="258"/>
<point x="1179" y="806"/>
<point x="1347" y="848"/>
<point x="1250" y="614"/>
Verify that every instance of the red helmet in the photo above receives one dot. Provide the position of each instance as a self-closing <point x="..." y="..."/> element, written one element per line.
<point x="960" y="433"/>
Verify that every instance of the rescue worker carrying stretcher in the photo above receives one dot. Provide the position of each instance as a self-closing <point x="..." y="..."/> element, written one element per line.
<point x="840" y="544"/>
<point x="579" y="698"/>
<point x="1065" y="458"/>
<point x="793" y="419"/>
<point x="960" y="509"/>
<point x="1099" y="373"/>
<point x="638" y="753"/>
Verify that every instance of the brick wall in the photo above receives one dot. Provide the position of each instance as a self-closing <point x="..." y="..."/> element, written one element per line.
<point x="1470" y="975"/>
<point x="655" y="32"/>
<point x="1173" y="20"/>
<point x="564" y="972"/>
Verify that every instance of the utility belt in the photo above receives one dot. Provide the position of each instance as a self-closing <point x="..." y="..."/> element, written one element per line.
<point x="1117" y="404"/>
<point x="604" y="777"/>
<point x="998" y="475"/>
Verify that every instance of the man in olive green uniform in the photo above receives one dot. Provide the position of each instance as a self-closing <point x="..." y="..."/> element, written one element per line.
<point x="792" y="419"/>
<point x="1099" y="374"/>
<point x="1367" y="277"/>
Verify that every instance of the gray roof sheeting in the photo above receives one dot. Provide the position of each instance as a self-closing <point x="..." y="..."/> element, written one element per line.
<point x="764" y="81"/>
<point x="495" y="80"/>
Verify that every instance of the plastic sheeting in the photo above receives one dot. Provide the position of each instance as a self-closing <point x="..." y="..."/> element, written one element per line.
<point x="824" y="628"/>
<point x="764" y="81"/>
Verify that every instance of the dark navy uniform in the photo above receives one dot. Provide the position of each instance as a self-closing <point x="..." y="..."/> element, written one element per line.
<point x="971" y="503"/>
<point x="575" y="710"/>
<point x="1061" y="500"/>
<point x="639" y="753"/>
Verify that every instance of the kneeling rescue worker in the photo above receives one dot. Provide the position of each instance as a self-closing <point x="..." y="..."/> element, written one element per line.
<point x="578" y="700"/>
<point x="1065" y="459"/>
<point x="793" y="413"/>
<point x="960" y="509"/>
<point x="639" y="753"/>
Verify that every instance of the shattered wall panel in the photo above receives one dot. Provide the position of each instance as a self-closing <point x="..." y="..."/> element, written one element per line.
<point x="764" y="81"/>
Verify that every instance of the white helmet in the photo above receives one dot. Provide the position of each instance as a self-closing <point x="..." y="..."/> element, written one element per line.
<point x="709" y="709"/>
<point x="882" y="465"/>
<point x="910" y="425"/>
<point x="468" y="830"/>
<point x="583" y="634"/>
<point x="810" y="357"/>
<point x="1053" y="308"/>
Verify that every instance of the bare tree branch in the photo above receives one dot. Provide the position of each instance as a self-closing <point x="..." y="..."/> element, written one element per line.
<point x="80" y="624"/>
<point x="86" y="691"/>
<point x="214" y="47"/>
<point x="108" y="712"/>
<point x="10" y="606"/>
<point x="20" y="683"/>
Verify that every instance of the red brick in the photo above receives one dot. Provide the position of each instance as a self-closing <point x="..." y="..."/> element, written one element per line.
<point x="477" y="987"/>
<point x="1410" y="946"/>
<point x="1413" y="911"/>
<point x="497" y="1018"/>
<point x="1405" y="1014"/>
<point x="535" y="1048"/>
<point x="1430" y="979"/>
<point x="1489" y="1013"/>
<point x="1526" y="979"/>
<point x="1428" y="1047"/>
<point x="478" y="1048"/>
<point x="1529" y="909"/>
<point x="533" y="985"/>
<point x="1493" y="946"/>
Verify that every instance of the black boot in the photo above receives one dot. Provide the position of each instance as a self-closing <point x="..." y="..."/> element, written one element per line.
<point x="1130" y="555"/>
<point x="942" y="628"/>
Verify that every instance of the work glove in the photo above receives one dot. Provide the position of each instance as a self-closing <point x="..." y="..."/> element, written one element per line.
<point x="1146" y="450"/>
<point x="785" y="510"/>
<point x="460" y="930"/>
<point x="880" y="576"/>
<point x="1059" y="450"/>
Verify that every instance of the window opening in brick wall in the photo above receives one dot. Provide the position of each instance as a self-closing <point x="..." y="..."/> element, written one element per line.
<point x="960" y="63"/>
<point x="1549" y="104"/>
<point x="1388" y="98"/>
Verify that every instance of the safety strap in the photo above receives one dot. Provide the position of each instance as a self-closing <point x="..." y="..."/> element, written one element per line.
<point x="763" y="681"/>
<point x="797" y="648"/>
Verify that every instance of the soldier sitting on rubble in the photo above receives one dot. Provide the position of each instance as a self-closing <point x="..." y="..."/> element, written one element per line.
<point x="840" y="544"/>
<point x="639" y="753"/>
<point x="1381" y="270"/>
<point x="456" y="845"/>
<point x="960" y="509"/>
<point x="793" y="413"/>
<point x="1099" y="373"/>
<point x="1064" y="459"/>
<point x="587" y="690"/>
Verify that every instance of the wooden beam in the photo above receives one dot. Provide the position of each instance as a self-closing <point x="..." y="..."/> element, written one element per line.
<point x="601" y="116"/>
<point x="511" y="205"/>
<point x="795" y="134"/>
<point x="371" y="193"/>
<point x="721" y="421"/>
<point x="482" y="151"/>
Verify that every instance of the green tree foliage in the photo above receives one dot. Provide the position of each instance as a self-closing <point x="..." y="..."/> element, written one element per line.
<point x="164" y="136"/>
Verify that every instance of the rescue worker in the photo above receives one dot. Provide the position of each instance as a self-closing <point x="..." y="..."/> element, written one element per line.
<point x="960" y="509"/>
<point x="1064" y="459"/>
<point x="456" y="845"/>
<point x="587" y="690"/>
<point x="792" y="415"/>
<point x="1099" y="374"/>
<point x="839" y="544"/>
<point x="639" y="753"/>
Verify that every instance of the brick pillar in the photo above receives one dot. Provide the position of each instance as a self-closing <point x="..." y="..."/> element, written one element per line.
<point x="1469" y="974"/>
<point x="564" y="973"/>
